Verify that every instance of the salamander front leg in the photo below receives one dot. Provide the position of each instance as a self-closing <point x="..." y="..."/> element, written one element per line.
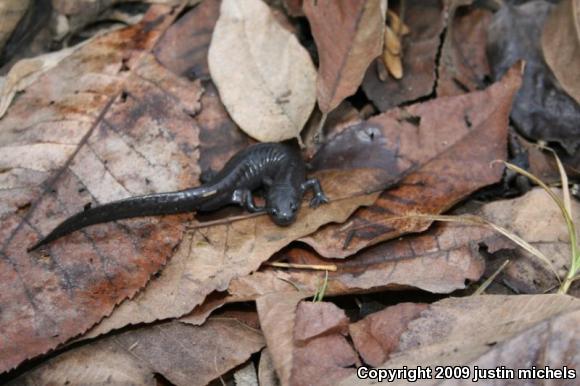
<point x="245" y="198"/>
<point x="319" y="196"/>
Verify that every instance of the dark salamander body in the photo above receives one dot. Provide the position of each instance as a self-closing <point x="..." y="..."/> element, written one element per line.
<point x="278" y="168"/>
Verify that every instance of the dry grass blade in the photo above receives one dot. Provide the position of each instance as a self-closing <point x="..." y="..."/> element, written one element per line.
<point x="565" y="208"/>
<point x="564" y="180"/>
<point x="490" y="279"/>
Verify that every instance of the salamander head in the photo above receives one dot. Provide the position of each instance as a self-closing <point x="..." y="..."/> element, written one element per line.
<point x="283" y="203"/>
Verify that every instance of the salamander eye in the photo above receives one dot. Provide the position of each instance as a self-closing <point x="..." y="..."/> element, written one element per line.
<point x="274" y="211"/>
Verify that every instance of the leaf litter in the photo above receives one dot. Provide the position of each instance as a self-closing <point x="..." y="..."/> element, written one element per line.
<point x="140" y="110"/>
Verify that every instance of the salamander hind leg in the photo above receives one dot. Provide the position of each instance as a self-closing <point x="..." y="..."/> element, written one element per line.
<point x="245" y="198"/>
<point x="319" y="196"/>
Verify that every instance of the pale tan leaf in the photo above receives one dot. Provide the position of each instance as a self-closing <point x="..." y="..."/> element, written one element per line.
<point x="536" y="219"/>
<point x="183" y="354"/>
<point x="488" y="331"/>
<point x="27" y="71"/>
<point x="265" y="78"/>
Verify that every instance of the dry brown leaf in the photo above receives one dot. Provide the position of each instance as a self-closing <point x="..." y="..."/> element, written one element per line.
<point x="463" y="65"/>
<point x="277" y="315"/>
<point x="377" y="336"/>
<point x="182" y="354"/>
<point x="449" y="144"/>
<point x="210" y="257"/>
<point x="11" y="11"/>
<point x="543" y="165"/>
<point x="426" y="20"/>
<point x="306" y="341"/>
<point x="561" y="45"/>
<point x="71" y="139"/>
<point x="538" y="220"/>
<point x="220" y="138"/>
<point x="348" y="35"/>
<point x="74" y="16"/>
<point x="489" y="331"/>
<point x="183" y="50"/>
<point x="321" y="352"/>
<point x="317" y="319"/>
<point x="266" y="79"/>
<point x="440" y="260"/>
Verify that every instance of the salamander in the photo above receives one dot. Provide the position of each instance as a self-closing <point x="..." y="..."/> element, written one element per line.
<point x="278" y="168"/>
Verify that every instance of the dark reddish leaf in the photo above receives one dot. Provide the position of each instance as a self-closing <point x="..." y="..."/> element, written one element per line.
<point x="183" y="48"/>
<point x="317" y="319"/>
<point x="377" y="336"/>
<point x="316" y="354"/>
<point x="449" y="144"/>
<point x="323" y="361"/>
<point x="348" y="35"/>
<point x="426" y="20"/>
